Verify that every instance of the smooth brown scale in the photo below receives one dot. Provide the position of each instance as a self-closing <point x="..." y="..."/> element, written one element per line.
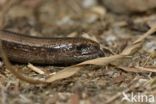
<point x="55" y="51"/>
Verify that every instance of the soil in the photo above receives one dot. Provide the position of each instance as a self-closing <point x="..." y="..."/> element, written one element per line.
<point x="95" y="84"/>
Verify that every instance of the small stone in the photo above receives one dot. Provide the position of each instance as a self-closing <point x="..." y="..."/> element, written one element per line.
<point x="150" y="47"/>
<point x="88" y="3"/>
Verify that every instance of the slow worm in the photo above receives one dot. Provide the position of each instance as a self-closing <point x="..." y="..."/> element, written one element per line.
<point x="56" y="51"/>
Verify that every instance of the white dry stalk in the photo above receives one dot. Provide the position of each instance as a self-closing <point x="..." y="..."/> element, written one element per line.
<point x="36" y="69"/>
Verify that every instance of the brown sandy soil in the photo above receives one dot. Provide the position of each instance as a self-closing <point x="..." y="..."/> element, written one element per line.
<point x="94" y="84"/>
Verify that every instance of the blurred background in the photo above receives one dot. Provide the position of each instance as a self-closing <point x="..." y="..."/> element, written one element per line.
<point x="60" y="17"/>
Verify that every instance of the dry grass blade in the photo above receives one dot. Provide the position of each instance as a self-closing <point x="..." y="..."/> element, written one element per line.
<point x="138" y="69"/>
<point x="65" y="73"/>
<point x="102" y="60"/>
<point x="131" y="49"/>
<point x="149" y="32"/>
<point x="147" y="69"/>
<point x="128" y="69"/>
<point x="70" y="71"/>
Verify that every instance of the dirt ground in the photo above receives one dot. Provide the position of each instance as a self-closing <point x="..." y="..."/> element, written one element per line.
<point x="94" y="84"/>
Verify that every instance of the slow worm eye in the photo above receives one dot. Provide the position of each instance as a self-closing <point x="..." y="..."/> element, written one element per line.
<point x="86" y="49"/>
<point x="82" y="47"/>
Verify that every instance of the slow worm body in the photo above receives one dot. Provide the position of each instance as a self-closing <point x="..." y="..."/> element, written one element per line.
<point x="56" y="51"/>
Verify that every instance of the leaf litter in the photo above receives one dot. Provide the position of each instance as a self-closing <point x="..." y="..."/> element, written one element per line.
<point x="71" y="70"/>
